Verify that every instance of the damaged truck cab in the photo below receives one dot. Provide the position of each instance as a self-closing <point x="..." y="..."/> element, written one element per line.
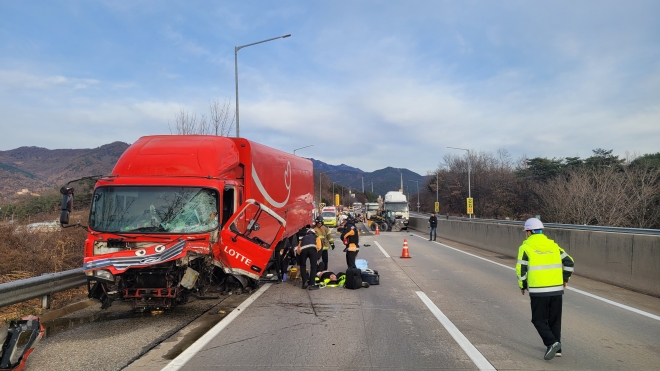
<point x="180" y="213"/>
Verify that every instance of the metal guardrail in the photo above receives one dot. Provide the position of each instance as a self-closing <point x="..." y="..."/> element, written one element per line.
<point x="645" y="231"/>
<point x="42" y="286"/>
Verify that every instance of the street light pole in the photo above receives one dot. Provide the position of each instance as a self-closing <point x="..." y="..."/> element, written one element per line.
<point x="236" y="49"/>
<point x="416" y="181"/>
<point x="333" y="193"/>
<point x="294" y="151"/>
<point x="468" y="158"/>
<point x="437" y="187"/>
<point x="320" y="179"/>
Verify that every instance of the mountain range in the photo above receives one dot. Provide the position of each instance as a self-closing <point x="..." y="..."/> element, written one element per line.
<point x="39" y="169"/>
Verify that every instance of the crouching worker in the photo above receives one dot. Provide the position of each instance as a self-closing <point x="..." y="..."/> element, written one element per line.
<point x="329" y="279"/>
<point x="307" y="249"/>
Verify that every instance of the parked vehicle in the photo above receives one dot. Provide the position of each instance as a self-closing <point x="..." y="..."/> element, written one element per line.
<point x="396" y="202"/>
<point x="329" y="215"/>
<point x="370" y="209"/>
<point x="180" y="213"/>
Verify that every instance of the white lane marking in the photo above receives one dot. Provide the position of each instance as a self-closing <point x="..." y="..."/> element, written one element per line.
<point x="622" y="306"/>
<point x="467" y="253"/>
<point x="475" y="355"/>
<point x="190" y="352"/>
<point x="382" y="250"/>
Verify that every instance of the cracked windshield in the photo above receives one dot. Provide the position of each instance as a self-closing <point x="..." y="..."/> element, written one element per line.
<point x="154" y="209"/>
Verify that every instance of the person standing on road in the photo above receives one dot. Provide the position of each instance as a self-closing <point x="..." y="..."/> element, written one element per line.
<point x="433" y="223"/>
<point x="327" y="241"/>
<point x="544" y="269"/>
<point x="351" y="239"/>
<point x="307" y="249"/>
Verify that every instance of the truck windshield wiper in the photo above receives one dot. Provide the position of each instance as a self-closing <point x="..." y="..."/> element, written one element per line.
<point x="147" y="229"/>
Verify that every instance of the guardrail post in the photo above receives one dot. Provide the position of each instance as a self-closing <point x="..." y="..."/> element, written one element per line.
<point x="45" y="302"/>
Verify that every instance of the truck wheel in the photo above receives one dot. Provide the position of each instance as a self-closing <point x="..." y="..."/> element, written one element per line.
<point x="383" y="227"/>
<point x="373" y="226"/>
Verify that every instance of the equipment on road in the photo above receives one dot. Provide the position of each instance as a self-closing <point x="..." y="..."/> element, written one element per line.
<point x="353" y="278"/>
<point x="404" y="253"/>
<point x="370" y="276"/>
<point x="386" y="220"/>
<point x="13" y="354"/>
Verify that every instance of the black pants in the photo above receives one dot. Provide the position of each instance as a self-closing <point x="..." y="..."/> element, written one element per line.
<point x="350" y="258"/>
<point x="546" y="317"/>
<point x="323" y="266"/>
<point x="308" y="253"/>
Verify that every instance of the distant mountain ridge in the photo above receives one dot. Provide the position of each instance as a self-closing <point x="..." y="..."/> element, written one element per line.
<point x="320" y="165"/>
<point x="40" y="169"/>
<point x="380" y="181"/>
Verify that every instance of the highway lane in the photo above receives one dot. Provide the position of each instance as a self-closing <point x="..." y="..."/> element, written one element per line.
<point x="383" y="327"/>
<point x="482" y="299"/>
<point x="389" y="326"/>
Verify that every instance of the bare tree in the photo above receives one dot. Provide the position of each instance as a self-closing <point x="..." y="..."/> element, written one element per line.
<point x="626" y="197"/>
<point x="221" y="117"/>
<point x="219" y="122"/>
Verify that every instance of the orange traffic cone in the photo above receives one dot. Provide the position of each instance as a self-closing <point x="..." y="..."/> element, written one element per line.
<point x="404" y="252"/>
<point x="377" y="231"/>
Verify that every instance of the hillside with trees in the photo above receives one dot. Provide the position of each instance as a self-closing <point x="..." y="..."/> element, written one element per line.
<point x="602" y="189"/>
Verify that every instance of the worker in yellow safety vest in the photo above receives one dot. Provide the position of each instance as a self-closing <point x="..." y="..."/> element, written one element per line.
<point x="544" y="269"/>
<point x="327" y="241"/>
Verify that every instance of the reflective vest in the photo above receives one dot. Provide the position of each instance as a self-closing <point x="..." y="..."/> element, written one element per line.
<point x="351" y="236"/>
<point x="324" y="234"/>
<point x="543" y="266"/>
<point x="310" y="240"/>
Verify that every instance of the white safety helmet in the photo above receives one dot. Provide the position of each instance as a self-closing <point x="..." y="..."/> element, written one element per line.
<point x="533" y="224"/>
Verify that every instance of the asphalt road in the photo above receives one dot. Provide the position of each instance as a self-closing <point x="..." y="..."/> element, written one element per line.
<point x="449" y="307"/>
<point x="391" y="327"/>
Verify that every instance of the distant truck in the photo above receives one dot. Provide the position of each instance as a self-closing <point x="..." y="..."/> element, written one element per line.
<point x="396" y="202"/>
<point x="370" y="209"/>
<point x="179" y="212"/>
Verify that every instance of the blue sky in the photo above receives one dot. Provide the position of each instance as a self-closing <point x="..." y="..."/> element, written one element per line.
<point x="368" y="83"/>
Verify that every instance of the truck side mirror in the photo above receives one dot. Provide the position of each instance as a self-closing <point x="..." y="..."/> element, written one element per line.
<point x="67" y="204"/>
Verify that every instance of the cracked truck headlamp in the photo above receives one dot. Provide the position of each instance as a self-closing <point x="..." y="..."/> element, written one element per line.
<point x="102" y="275"/>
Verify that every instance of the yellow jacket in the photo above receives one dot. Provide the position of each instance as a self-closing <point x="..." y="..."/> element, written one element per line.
<point x="543" y="266"/>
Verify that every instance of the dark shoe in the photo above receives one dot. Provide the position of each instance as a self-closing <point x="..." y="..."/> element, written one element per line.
<point x="558" y="354"/>
<point x="314" y="287"/>
<point x="552" y="351"/>
<point x="304" y="286"/>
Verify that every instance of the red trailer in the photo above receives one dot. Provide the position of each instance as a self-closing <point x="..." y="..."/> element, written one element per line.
<point x="180" y="212"/>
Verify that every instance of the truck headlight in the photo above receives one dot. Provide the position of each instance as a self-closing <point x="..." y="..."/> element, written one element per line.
<point x="102" y="274"/>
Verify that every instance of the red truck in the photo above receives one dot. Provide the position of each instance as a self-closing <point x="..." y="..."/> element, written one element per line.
<point x="182" y="212"/>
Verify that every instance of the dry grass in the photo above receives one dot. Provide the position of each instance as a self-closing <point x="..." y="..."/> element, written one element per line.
<point x="33" y="307"/>
<point x="30" y="254"/>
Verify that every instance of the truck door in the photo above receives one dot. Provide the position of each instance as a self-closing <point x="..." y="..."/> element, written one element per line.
<point x="249" y="237"/>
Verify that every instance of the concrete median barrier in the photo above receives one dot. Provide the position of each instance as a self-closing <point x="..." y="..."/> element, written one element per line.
<point x="627" y="260"/>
